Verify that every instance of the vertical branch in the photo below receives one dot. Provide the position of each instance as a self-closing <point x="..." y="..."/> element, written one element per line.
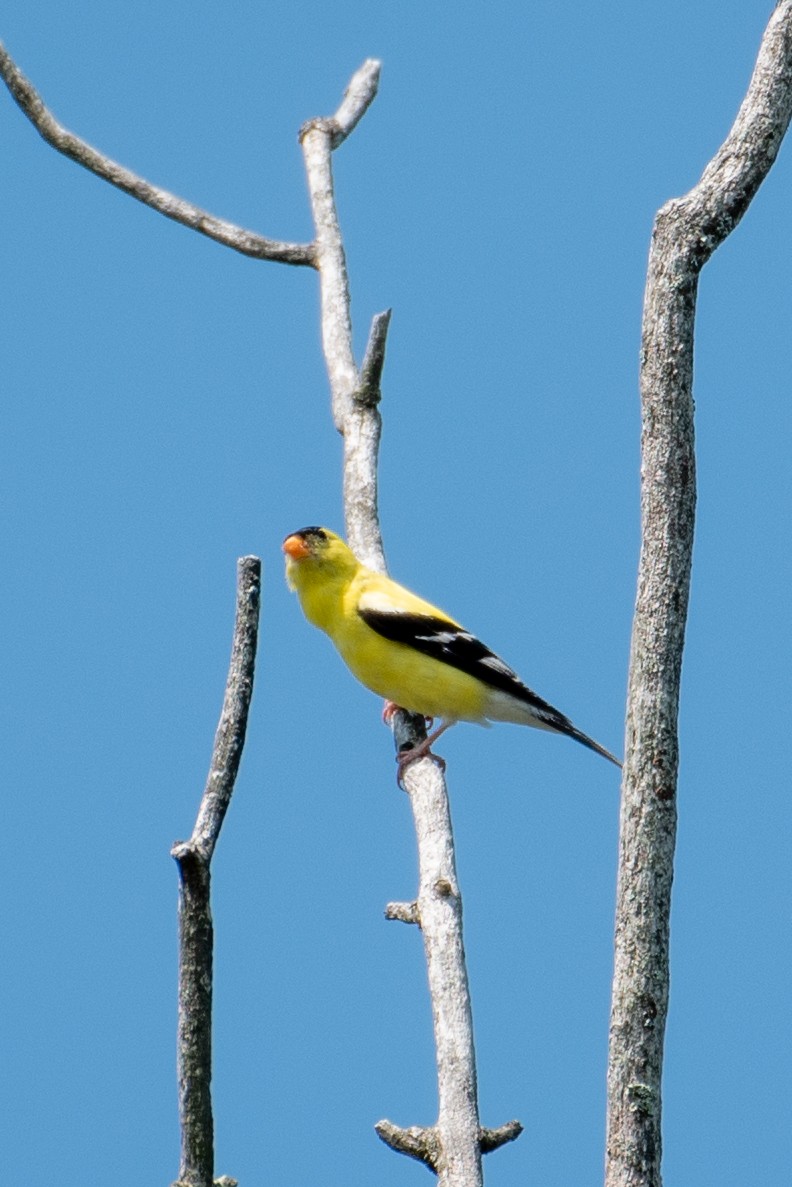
<point x="362" y="430"/>
<point x="194" y="1034"/>
<point x="452" y="1147"/>
<point x="195" y="917"/>
<point x="686" y="232"/>
<point x="354" y="396"/>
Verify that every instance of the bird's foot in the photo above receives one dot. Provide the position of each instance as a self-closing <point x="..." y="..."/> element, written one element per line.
<point x="422" y="750"/>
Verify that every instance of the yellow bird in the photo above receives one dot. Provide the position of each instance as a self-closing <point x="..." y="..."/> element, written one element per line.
<point x="406" y="650"/>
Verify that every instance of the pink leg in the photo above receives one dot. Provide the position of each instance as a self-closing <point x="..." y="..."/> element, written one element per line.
<point x="423" y="749"/>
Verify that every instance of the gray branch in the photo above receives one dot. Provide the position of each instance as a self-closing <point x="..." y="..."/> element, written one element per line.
<point x="358" y="97"/>
<point x="686" y="232"/>
<point x="374" y="360"/>
<point x="493" y="1139"/>
<point x="453" y="1146"/>
<point x="357" y="419"/>
<point x="230" y="235"/>
<point x="195" y="917"/>
<point x="416" y="1142"/>
<point x="403" y="912"/>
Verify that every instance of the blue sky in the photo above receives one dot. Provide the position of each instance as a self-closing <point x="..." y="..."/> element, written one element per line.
<point x="166" y="411"/>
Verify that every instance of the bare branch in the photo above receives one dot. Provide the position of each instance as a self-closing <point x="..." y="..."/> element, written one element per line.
<point x="316" y="138"/>
<point x="452" y="1147"/>
<point x="493" y="1139"/>
<point x="358" y="97"/>
<point x="173" y="207"/>
<point x="374" y="360"/>
<point x="440" y="912"/>
<point x="403" y="912"/>
<point x="416" y="1142"/>
<point x="230" y="736"/>
<point x="195" y="918"/>
<point x="357" y="420"/>
<point x="194" y="1042"/>
<point x="686" y="232"/>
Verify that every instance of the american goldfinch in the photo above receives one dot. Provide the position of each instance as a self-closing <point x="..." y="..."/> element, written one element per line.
<point x="408" y="651"/>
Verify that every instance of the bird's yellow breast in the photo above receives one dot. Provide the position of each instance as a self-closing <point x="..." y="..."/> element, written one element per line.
<point x="332" y="586"/>
<point x="400" y="673"/>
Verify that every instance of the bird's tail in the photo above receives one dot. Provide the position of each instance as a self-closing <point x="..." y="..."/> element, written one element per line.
<point x="546" y="717"/>
<point x="522" y="706"/>
<point x="585" y="740"/>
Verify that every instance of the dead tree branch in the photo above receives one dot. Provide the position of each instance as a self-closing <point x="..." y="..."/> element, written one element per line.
<point x="230" y="235"/>
<point x="453" y="1146"/>
<point x="686" y="232"/>
<point x="195" y="917"/>
<point x="354" y="403"/>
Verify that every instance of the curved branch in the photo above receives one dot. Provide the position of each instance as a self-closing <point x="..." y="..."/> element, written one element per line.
<point x="232" y="727"/>
<point x="173" y="207"/>
<point x="686" y="232"/>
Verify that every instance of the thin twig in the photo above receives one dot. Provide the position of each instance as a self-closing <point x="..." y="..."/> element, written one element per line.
<point x="493" y="1139"/>
<point x="195" y="917"/>
<point x="374" y="360"/>
<point x="403" y="912"/>
<point x="416" y="1142"/>
<point x="686" y="232"/>
<point x="247" y="242"/>
<point x="358" y="97"/>
<point x="230" y="736"/>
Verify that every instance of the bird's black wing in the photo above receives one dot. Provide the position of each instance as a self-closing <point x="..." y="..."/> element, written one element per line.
<point x="455" y="646"/>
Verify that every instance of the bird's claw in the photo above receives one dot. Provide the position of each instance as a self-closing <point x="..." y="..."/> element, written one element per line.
<point x="405" y="757"/>
<point x="422" y="750"/>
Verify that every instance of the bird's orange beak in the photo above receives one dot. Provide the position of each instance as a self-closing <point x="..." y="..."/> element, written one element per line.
<point x="296" y="548"/>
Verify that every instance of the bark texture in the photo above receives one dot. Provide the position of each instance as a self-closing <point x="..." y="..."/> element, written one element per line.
<point x="196" y="935"/>
<point x="686" y="232"/>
